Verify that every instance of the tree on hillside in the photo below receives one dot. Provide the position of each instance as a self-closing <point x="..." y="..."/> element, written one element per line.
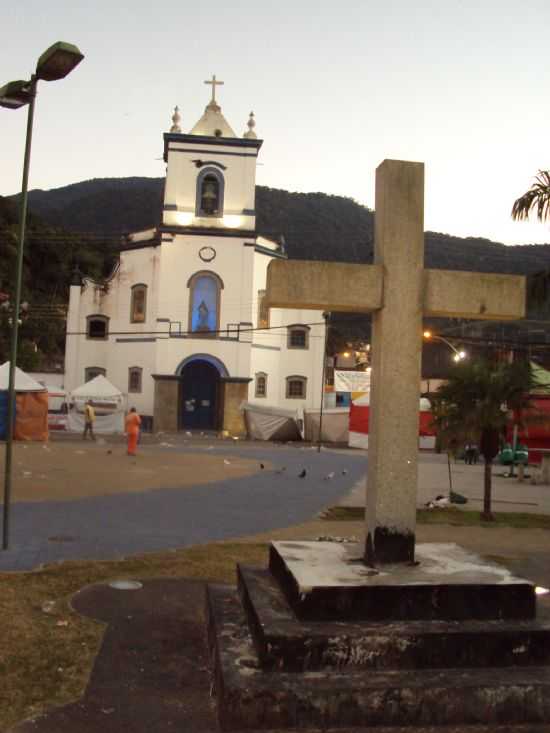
<point x="50" y="256"/>
<point x="474" y="404"/>
<point x="537" y="197"/>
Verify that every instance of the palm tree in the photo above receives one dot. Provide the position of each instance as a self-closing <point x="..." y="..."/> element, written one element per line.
<point x="474" y="403"/>
<point x="537" y="196"/>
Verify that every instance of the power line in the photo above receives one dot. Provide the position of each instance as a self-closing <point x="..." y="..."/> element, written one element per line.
<point x="196" y="334"/>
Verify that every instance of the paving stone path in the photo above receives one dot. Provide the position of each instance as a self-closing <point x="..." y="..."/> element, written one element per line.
<point x="115" y="526"/>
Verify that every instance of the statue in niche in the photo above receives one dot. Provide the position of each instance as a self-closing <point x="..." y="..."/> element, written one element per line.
<point x="203" y="311"/>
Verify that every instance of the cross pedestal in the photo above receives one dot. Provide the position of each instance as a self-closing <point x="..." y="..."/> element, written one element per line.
<point x="399" y="291"/>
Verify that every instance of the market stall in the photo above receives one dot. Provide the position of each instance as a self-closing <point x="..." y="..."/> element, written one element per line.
<point x="109" y="404"/>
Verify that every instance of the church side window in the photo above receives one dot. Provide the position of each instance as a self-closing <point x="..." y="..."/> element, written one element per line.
<point x="210" y="191"/>
<point x="261" y="385"/>
<point x="204" y="303"/>
<point x="296" y="387"/>
<point x="97" y="327"/>
<point x="138" y="305"/>
<point x="134" y="379"/>
<point x="298" y="337"/>
<point x="93" y="372"/>
<point x="263" y="310"/>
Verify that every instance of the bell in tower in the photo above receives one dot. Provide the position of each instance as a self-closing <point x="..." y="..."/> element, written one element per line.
<point x="210" y="196"/>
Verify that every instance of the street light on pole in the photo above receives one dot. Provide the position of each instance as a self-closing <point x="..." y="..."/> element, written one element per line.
<point x="458" y="354"/>
<point x="55" y="63"/>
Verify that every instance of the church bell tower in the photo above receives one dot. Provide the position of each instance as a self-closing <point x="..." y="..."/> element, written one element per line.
<point x="211" y="174"/>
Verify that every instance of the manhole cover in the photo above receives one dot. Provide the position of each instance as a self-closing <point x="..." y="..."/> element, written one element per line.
<point x="61" y="538"/>
<point x="125" y="585"/>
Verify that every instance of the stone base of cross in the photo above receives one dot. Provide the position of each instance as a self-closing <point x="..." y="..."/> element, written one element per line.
<point x="399" y="292"/>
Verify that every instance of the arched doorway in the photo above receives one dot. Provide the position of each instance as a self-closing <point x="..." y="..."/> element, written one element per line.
<point x="199" y="395"/>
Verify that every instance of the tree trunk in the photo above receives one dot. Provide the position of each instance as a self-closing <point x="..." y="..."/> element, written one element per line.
<point x="487" y="515"/>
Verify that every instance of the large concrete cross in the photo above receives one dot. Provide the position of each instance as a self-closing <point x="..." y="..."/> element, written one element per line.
<point x="399" y="292"/>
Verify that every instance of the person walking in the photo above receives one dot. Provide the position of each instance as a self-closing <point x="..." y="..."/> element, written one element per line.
<point x="89" y="419"/>
<point x="133" y="421"/>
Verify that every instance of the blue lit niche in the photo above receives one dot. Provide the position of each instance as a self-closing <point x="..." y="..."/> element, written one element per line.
<point x="204" y="313"/>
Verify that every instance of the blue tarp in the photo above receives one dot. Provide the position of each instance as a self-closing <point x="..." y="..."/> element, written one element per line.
<point x="3" y="414"/>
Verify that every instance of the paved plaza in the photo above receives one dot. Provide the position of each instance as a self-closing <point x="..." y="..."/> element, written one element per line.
<point x="181" y="492"/>
<point x="131" y="519"/>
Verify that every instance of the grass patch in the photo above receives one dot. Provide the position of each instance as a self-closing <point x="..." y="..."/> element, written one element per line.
<point x="452" y="516"/>
<point x="43" y="664"/>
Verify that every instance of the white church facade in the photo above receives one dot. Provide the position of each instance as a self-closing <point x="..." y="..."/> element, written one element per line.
<point x="181" y="324"/>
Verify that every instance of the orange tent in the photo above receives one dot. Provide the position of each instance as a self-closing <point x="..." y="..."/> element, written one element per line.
<point x="31" y="405"/>
<point x="31" y="416"/>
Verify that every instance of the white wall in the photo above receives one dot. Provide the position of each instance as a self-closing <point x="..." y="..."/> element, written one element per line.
<point x="136" y="266"/>
<point x="271" y="355"/>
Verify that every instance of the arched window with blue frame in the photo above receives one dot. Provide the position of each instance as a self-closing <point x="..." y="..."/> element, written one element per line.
<point x="210" y="191"/>
<point x="204" y="303"/>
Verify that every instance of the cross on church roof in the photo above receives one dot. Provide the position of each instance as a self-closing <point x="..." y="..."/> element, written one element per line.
<point x="214" y="84"/>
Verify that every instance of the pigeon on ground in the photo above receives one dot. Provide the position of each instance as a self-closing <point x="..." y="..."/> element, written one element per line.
<point x="344" y="472"/>
<point x="329" y="476"/>
<point x="262" y="466"/>
<point x="302" y="473"/>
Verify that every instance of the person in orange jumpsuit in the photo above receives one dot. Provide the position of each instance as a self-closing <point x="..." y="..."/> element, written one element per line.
<point x="133" y="421"/>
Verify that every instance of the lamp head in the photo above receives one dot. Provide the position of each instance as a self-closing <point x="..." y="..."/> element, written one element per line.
<point x="427" y="334"/>
<point x="58" y="61"/>
<point x="15" y="94"/>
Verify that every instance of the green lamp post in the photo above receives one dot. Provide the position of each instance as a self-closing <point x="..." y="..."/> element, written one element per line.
<point x="55" y="63"/>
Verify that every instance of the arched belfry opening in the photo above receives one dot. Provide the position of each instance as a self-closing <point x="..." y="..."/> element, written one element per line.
<point x="210" y="192"/>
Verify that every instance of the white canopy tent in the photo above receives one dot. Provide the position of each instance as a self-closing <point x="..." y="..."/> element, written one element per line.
<point x="108" y="402"/>
<point x="335" y="425"/>
<point x="271" y="423"/>
<point x="23" y="383"/>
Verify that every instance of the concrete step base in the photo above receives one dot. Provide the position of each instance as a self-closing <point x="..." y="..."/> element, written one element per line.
<point x="250" y="697"/>
<point x="285" y="643"/>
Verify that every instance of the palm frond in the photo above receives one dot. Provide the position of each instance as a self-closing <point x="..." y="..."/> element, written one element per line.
<point x="538" y="196"/>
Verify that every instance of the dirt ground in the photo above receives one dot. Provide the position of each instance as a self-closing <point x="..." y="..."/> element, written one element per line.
<point x="77" y="469"/>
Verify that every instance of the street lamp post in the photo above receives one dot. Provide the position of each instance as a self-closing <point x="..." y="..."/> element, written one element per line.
<point x="326" y="316"/>
<point x="55" y="63"/>
<point x="459" y="355"/>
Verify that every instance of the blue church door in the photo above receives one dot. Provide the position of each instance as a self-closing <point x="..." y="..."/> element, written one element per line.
<point x="199" y="396"/>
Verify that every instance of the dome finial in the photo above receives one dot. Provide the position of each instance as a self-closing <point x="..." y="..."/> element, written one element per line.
<point x="176" y="119"/>
<point x="251" y="125"/>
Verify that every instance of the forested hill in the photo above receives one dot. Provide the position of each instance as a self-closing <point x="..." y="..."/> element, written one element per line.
<point x="81" y="225"/>
<point x="314" y="225"/>
<point x="49" y="258"/>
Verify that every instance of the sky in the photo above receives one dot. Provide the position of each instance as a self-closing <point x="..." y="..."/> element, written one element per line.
<point x="336" y="87"/>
